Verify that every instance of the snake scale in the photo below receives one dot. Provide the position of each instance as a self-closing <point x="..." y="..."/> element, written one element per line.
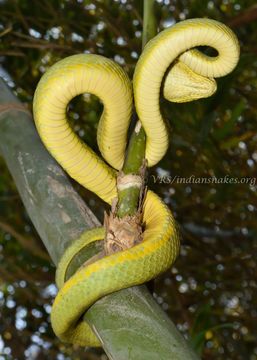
<point x="168" y="63"/>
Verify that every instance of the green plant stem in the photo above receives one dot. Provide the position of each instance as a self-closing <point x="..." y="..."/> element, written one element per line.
<point x="128" y="198"/>
<point x="149" y="25"/>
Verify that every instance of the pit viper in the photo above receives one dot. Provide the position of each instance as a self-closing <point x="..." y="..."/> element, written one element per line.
<point x="170" y="66"/>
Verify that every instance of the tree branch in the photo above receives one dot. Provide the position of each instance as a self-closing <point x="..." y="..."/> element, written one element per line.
<point x="129" y="323"/>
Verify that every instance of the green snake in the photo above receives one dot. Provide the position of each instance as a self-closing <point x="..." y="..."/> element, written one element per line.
<point x="169" y="64"/>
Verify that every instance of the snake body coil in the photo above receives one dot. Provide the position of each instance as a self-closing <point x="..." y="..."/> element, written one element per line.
<point x="190" y="77"/>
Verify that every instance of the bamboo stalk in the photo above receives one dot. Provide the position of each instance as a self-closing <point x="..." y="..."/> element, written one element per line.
<point x="129" y="323"/>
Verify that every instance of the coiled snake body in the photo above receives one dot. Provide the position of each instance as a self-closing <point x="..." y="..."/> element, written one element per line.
<point x="188" y="75"/>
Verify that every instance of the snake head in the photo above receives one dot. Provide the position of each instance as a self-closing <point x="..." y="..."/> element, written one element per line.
<point x="182" y="84"/>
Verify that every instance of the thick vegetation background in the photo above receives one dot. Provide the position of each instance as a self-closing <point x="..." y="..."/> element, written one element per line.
<point x="210" y="293"/>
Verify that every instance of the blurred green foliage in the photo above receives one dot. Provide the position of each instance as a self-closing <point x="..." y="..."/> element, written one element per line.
<point x="210" y="293"/>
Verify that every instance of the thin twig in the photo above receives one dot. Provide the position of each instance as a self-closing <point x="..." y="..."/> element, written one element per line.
<point x="26" y="243"/>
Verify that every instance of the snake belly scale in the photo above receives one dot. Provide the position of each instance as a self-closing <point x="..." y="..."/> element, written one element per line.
<point x="190" y="77"/>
